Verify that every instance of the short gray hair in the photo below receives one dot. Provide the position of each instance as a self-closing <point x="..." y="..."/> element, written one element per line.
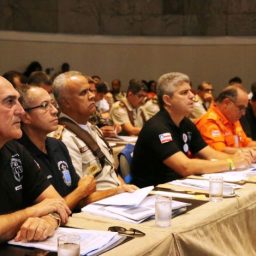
<point x="60" y="82"/>
<point x="167" y="84"/>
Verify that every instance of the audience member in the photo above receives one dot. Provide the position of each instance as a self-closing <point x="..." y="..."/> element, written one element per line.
<point x="236" y="81"/>
<point x="28" y="201"/>
<point x="151" y="94"/>
<point x="126" y="111"/>
<point x="89" y="152"/>
<point x="33" y="66"/>
<point x="51" y="154"/>
<point x="248" y="121"/>
<point x="168" y="140"/>
<point x="150" y="108"/>
<point x="102" y="120"/>
<point x="116" y="90"/>
<point x="41" y="79"/>
<point x="202" y="100"/>
<point x="220" y="126"/>
<point x="15" y="78"/>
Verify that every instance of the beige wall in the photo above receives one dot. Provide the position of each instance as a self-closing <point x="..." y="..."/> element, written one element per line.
<point x="215" y="59"/>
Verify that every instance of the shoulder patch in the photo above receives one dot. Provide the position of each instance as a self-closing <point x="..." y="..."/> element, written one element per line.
<point x="165" y="137"/>
<point x="215" y="133"/>
<point x="57" y="134"/>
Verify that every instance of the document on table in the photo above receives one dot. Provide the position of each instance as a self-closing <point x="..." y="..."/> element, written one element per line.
<point x="228" y="188"/>
<point x="234" y="176"/>
<point x="133" y="214"/>
<point x="92" y="242"/>
<point x="126" y="198"/>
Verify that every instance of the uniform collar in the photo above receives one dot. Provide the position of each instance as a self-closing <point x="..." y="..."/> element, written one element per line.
<point x="223" y="119"/>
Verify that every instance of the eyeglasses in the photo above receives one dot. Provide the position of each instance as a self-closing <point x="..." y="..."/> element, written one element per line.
<point x="127" y="232"/>
<point x="44" y="105"/>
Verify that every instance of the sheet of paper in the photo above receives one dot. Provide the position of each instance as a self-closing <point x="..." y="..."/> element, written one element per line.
<point x="134" y="214"/>
<point x="90" y="240"/>
<point x="204" y="185"/>
<point x="126" y="199"/>
<point x="234" y="176"/>
<point x="179" y="195"/>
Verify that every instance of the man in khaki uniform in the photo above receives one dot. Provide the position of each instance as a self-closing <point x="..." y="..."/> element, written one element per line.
<point x="150" y="108"/>
<point x="77" y="103"/>
<point x="126" y="111"/>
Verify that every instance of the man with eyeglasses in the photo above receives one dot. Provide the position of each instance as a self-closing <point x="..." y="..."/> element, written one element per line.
<point x="220" y="126"/>
<point x="170" y="146"/>
<point x="126" y="112"/>
<point x="50" y="154"/>
<point x="202" y="100"/>
<point x="30" y="208"/>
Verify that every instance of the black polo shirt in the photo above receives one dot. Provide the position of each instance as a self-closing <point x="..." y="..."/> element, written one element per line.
<point x="56" y="164"/>
<point x="159" y="139"/>
<point x="21" y="182"/>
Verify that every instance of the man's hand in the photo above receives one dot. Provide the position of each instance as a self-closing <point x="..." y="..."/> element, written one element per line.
<point x="36" y="229"/>
<point x="87" y="185"/>
<point x="126" y="188"/>
<point x="110" y="131"/>
<point x="51" y="205"/>
<point x="244" y="157"/>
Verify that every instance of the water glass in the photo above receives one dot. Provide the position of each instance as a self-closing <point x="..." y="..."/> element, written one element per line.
<point x="215" y="188"/>
<point x="69" y="245"/>
<point x="163" y="211"/>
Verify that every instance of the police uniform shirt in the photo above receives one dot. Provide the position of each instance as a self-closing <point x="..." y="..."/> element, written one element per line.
<point x="159" y="139"/>
<point x="56" y="164"/>
<point x="83" y="159"/>
<point x="21" y="182"/>
<point x="119" y="113"/>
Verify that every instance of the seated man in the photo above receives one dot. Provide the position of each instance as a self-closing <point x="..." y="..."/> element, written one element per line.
<point x="51" y="154"/>
<point x="126" y="111"/>
<point x="150" y="108"/>
<point x="248" y="121"/>
<point x="89" y="151"/>
<point x="168" y="140"/>
<point x="203" y="100"/>
<point x="21" y="183"/>
<point x="102" y="120"/>
<point x="220" y="126"/>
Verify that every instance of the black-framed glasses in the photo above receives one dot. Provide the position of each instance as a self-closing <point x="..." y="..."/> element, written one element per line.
<point x="132" y="232"/>
<point x="44" y="105"/>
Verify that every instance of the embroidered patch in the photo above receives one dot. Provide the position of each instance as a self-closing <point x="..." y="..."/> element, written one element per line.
<point x="63" y="167"/>
<point x="16" y="166"/>
<point x="165" y="137"/>
<point x="215" y="133"/>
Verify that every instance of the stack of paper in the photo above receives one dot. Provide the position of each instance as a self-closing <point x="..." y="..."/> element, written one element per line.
<point x="132" y="207"/>
<point x="228" y="188"/>
<point x="92" y="242"/>
<point x="234" y="176"/>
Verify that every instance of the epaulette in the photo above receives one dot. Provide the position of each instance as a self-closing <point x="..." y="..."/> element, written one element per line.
<point x="57" y="134"/>
<point x="121" y="104"/>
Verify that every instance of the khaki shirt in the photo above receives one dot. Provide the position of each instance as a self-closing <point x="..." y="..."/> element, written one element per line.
<point x="85" y="162"/>
<point x="150" y="108"/>
<point x="119" y="113"/>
